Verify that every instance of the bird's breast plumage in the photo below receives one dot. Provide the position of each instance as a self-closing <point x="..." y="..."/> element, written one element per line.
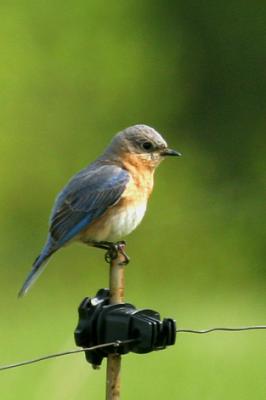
<point x="118" y="222"/>
<point x="123" y="217"/>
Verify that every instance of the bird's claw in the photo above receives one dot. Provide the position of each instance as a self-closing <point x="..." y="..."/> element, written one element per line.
<point x="111" y="254"/>
<point x="113" y="251"/>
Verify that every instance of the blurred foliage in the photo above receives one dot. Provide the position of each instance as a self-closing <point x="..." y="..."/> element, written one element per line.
<point x="71" y="75"/>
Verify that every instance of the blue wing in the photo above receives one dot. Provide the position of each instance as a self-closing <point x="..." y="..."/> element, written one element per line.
<point x="85" y="198"/>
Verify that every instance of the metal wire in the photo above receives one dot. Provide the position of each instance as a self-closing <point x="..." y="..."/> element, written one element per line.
<point x="225" y="329"/>
<point x="117" y="343"/>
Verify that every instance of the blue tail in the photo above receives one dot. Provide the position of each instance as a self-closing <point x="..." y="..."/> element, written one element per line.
<point x="38" y="266"/>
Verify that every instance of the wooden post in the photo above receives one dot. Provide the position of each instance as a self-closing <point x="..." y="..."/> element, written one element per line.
<point x="116" y="285"/>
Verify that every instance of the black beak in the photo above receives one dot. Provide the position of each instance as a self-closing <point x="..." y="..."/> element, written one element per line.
<point x="170" y="152"/>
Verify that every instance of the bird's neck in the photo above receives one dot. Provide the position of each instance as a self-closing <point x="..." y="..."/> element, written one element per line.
<point x="141" y="171"/>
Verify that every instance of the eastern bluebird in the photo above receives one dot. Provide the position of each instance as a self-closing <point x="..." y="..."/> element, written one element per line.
<point x="107" y="200"/>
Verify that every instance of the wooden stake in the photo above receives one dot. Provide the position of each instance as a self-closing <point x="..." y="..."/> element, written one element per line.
<point x="116" y="285"/>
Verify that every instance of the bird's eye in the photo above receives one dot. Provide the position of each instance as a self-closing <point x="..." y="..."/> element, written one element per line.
<point x="147" y="145"/>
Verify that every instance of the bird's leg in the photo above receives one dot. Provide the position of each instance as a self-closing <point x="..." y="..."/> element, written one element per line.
<point x="99" y="245"/>
<point x="121" y="248"/>
<point x="112" y="250"/>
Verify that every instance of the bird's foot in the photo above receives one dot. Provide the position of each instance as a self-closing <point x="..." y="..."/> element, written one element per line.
<point x="121" y="249"/>
<point x="113" y="249"/>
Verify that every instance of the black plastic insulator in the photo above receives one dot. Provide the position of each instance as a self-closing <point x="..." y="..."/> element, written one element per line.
<point x="101" y="322"/>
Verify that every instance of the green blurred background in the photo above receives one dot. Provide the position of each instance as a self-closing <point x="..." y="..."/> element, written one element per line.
<point x="71" y="75"/>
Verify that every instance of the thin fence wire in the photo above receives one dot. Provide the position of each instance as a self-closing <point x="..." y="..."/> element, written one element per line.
<point x="118" y="343"/>
<point x="223" y="329"/>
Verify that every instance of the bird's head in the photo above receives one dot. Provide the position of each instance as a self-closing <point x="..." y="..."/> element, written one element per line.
<point x="142" y="144"/>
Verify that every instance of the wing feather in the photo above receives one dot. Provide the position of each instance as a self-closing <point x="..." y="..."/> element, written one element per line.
<point x="86" y="197"/>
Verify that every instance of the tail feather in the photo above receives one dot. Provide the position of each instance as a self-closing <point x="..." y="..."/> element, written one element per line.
<point x="37" y="268"/>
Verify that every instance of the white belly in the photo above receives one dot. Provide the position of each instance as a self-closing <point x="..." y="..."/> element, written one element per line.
<point x="115" y="224"/>
<point x="122" y="222"/>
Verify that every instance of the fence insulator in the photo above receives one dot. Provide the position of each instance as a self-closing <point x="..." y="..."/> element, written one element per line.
<point x="102" y="322"/>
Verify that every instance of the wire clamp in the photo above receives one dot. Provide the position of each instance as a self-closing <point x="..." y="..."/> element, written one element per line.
<point x="101" y="322"/>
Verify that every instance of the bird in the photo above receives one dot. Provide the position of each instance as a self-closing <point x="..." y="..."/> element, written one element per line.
<point x="107" y="200"/>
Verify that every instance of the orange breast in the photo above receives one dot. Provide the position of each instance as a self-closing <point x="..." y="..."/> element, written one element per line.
<point x="122" y="218"/>
<point x="141" y="183"/>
